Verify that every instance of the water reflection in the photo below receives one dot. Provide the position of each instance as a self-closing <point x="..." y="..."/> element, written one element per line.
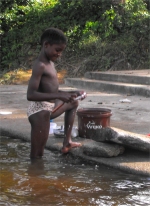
<point x="62" y="180"/>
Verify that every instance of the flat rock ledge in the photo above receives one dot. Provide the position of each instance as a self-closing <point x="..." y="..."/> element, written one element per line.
<point x="121" y="137"/>
<point x="93" y="149"/>
<point x="99" y="149"/>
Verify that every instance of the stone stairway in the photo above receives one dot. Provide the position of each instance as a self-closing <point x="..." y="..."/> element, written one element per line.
<point x="129" y="82"/>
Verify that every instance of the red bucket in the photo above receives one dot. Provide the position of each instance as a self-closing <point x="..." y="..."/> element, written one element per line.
<point x="91" y="119"/>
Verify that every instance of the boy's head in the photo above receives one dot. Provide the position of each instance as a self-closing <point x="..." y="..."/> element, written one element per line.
<point x="53" y="36"/>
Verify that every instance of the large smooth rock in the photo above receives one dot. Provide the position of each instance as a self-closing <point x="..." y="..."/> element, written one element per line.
<point x="129" y="139"/>
<point x="95" y="149"/>
<point x="99" y="149"/>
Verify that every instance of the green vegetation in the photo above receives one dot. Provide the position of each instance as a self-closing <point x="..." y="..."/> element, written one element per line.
<point x="102" y="34"/>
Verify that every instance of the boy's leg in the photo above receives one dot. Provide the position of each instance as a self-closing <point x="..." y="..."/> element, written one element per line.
<point x="39" y="132"/>
<point x="70" y="112"/>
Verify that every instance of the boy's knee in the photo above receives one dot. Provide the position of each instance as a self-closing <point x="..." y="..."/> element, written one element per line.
<point x="72" y="105"/>
<point x="75" y="104"/>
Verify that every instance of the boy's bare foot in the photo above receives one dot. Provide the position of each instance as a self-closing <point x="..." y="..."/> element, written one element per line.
<point x="71" y="145"/>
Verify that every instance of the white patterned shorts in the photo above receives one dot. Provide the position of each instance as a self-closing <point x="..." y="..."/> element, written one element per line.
<point x="35" y="107"/>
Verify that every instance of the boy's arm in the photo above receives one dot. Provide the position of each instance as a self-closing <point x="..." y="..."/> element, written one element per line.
<point x="78" y="93"/>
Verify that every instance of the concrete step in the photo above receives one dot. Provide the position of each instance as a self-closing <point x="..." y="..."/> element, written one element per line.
<point x="132" y="76"/>
<point x="109" y="86"/>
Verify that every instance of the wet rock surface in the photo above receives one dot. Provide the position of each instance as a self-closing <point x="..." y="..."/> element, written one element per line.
<point x="99" y="149"/>
<point x="133" y="117"/>
<point x="128" y="139"/>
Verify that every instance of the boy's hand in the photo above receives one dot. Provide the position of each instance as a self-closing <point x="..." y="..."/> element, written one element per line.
<point x="67" y="96"/>
<point x="71" y="96"/>
<point x="80" y="95"/>
<point x="83" y="94"/>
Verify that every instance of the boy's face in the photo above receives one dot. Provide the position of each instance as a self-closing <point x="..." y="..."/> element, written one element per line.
<point x="53" y="51"/>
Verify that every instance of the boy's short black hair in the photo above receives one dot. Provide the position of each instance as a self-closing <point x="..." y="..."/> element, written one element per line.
<point x="53" y="36"/>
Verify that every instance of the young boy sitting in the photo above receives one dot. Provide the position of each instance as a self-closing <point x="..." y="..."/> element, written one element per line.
<point x="44" y="95"/>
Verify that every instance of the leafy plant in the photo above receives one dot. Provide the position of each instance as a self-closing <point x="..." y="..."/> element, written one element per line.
<point x="88" y="26"/>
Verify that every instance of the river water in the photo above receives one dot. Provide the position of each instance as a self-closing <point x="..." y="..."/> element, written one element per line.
<point x="58" y="179"/>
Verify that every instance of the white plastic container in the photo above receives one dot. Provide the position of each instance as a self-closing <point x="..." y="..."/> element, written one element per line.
<point x="52" y="126"/>
<point x="74" y="132"/>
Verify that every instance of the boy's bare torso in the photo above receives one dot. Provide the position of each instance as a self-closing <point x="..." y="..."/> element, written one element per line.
<point x="49" y="80"/>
